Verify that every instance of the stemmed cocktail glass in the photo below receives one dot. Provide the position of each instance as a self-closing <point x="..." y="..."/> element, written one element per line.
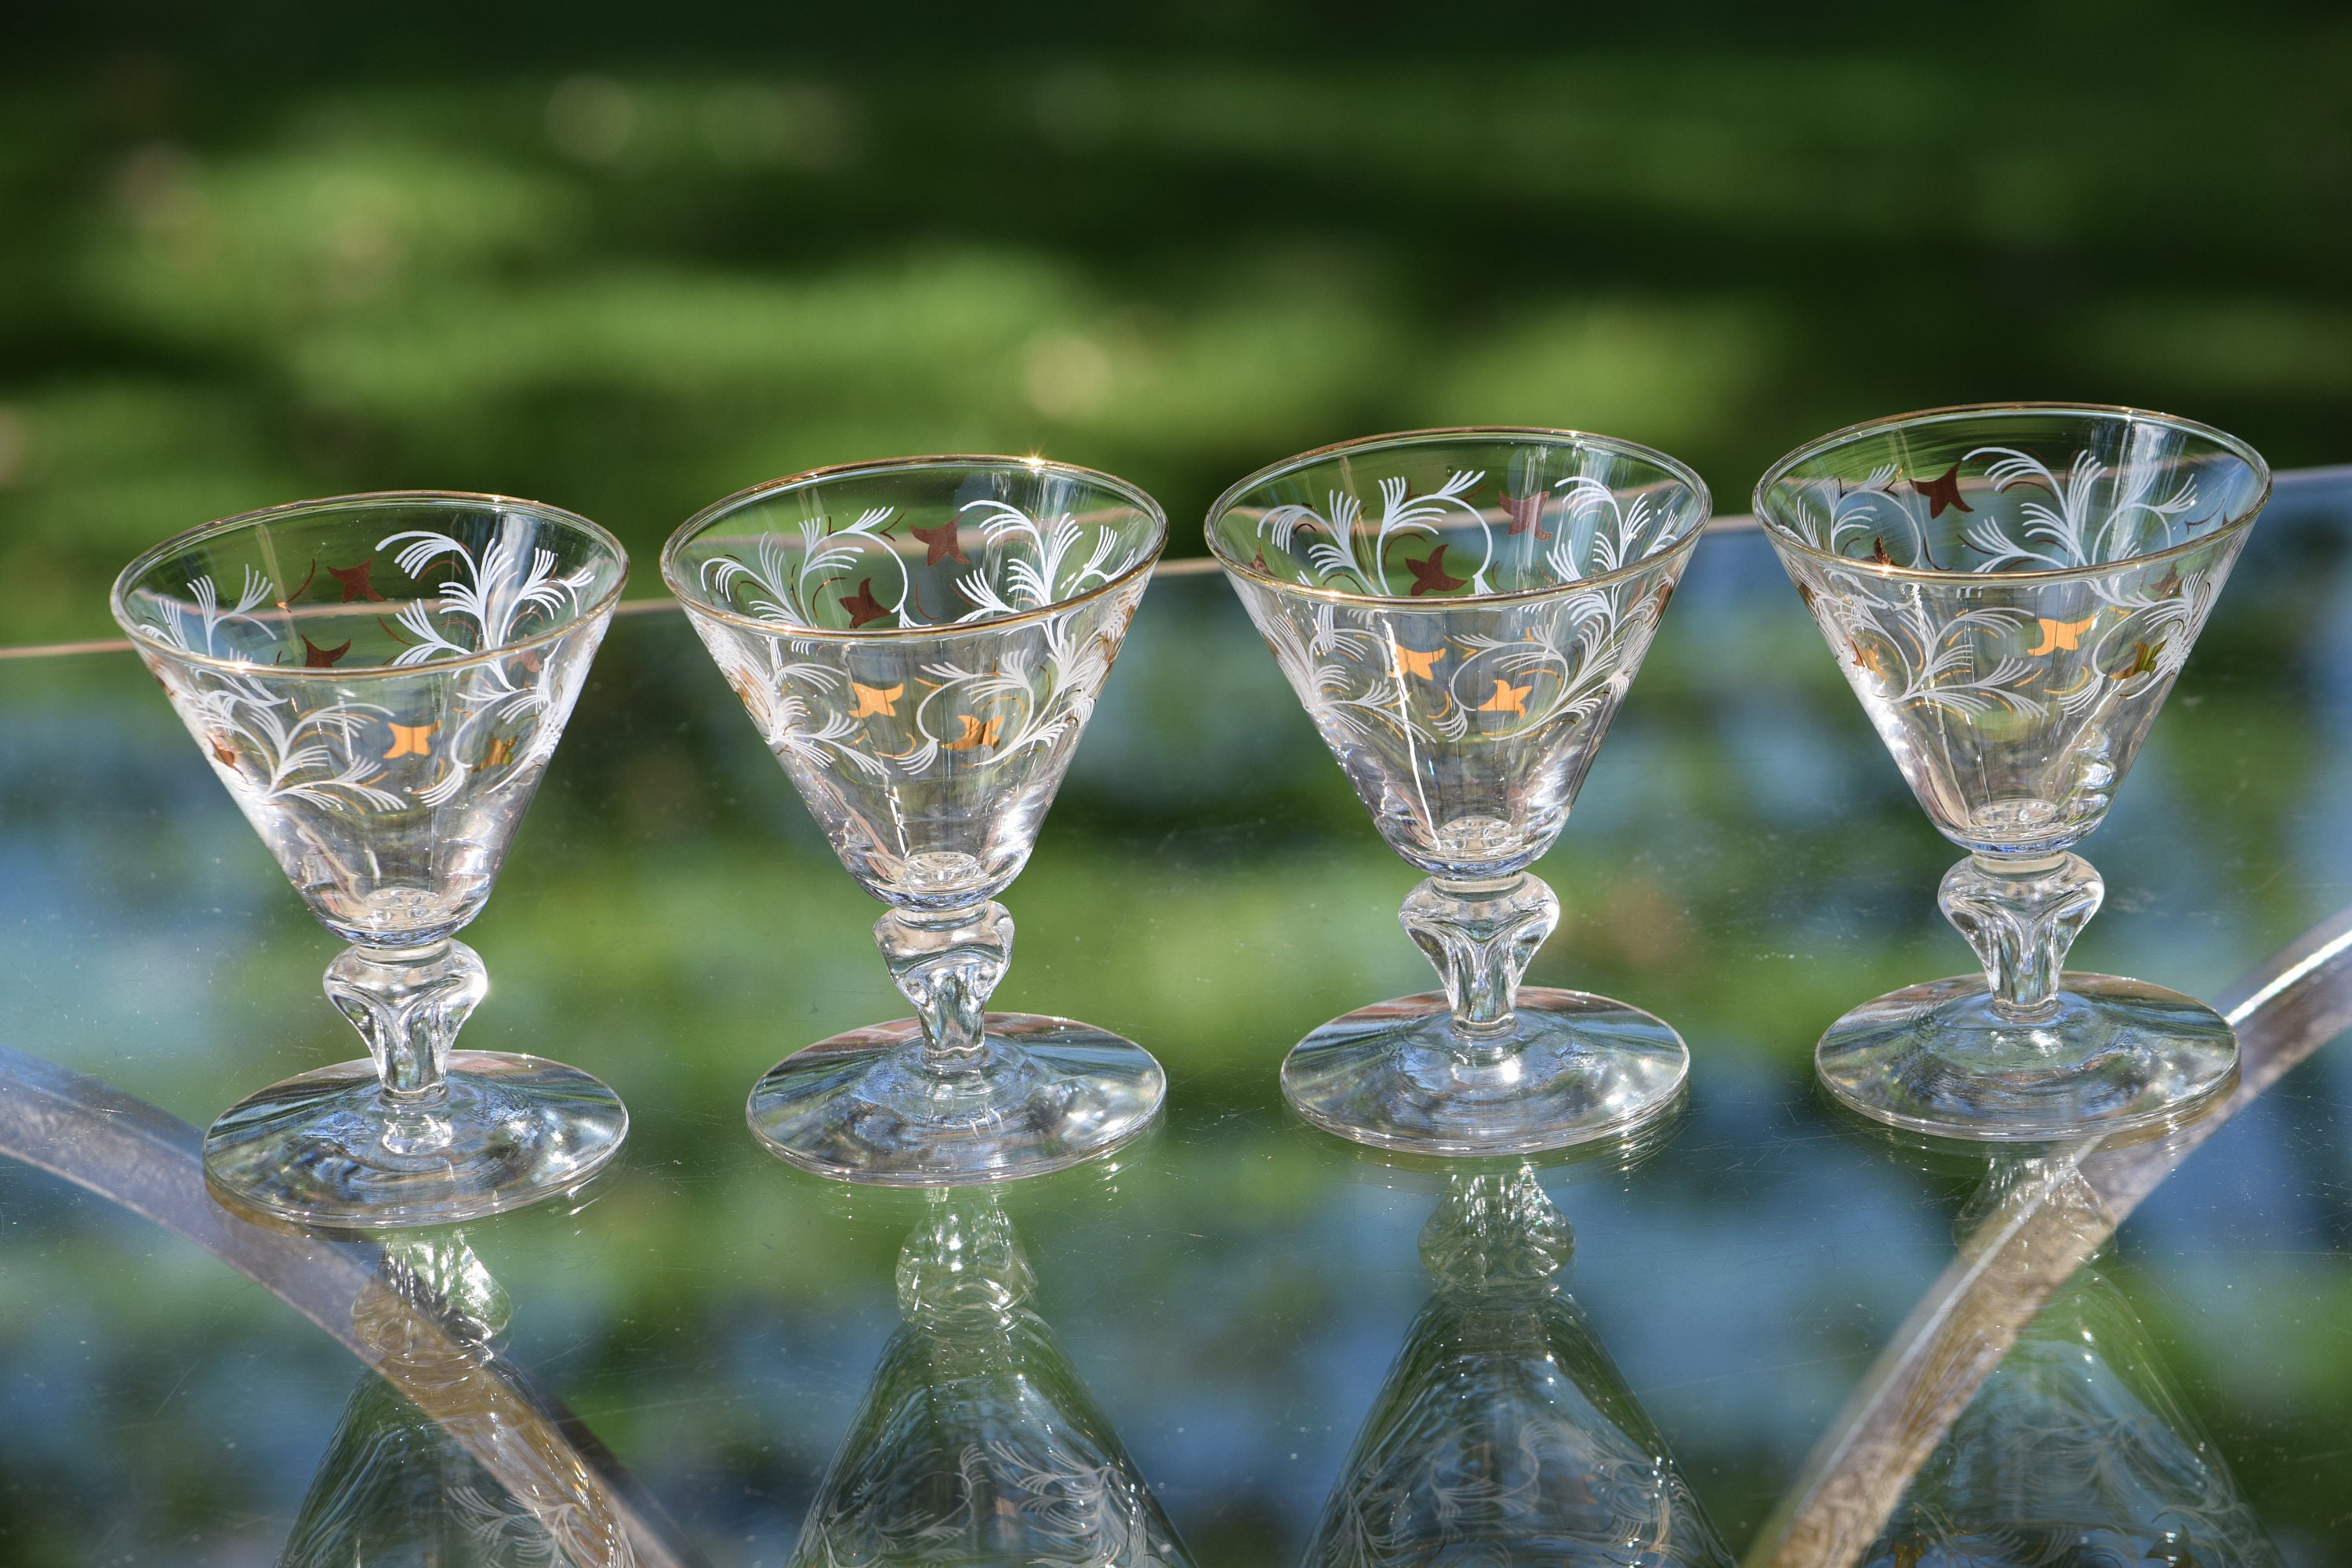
<point x="379" y="681"/>
<point x="1461" y="612"/>
<point x="2011" y="590"/>
<point x="920" y="642"/>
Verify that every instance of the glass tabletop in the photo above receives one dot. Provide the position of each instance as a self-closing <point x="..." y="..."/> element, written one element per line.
<point x="1763" y="1331"/>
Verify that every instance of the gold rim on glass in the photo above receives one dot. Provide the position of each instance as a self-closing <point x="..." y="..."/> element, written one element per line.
<point x="1673" y="466"/>
<point x="1782" y="534"/>
<point x="143" y="635"/>
<point x="693" y="595"/>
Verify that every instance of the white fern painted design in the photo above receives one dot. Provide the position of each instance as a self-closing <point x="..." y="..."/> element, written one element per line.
<point x="1353" y="666"/>
<point x="266" y="747"/>
<point x="272" y="749"/>
<point x="2071" y="528"/>
<point x="1354" y="555"/>
<point x="2066" y="531"/>
<point x="174" y="623"/>
<point x="513" y="577"/>
<point x="1595" y="530"/>
<point x="1030" y="563"/>
<point x="269" y="751"/>
<point x="2085" y="514"/>
<point x="780" y="585"/>
<point x="1616" y="532"/>
<point x="1916" y="658"/>
<point x="796" y="702"/>
<point x="1033" y="688"/>
<point x="1044" y="575"/>
<point x="1079" y="1509"/>
<point x="506" y="1533"/>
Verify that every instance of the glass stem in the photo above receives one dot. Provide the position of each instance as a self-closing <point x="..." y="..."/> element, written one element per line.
<point x="408" y="1004"/>
<point x="1481" y="936"/>
<point x="947" y="963"/>
<point x="1495" y="1231"/>
<point x="2021" y="914"/>
<point x="435" y="1276"/>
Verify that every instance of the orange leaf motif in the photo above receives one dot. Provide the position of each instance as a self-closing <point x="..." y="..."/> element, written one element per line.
<point x="874" y="699"/>
<point x="862" y="605"/>
<point x="1410" y="662"/>
<point x="975" y="734"/>
<point x="1508" y="698"/>
<point x="411" y="740"/>
<point x="2057" y="635"/>
<point x="2143" y="661"/>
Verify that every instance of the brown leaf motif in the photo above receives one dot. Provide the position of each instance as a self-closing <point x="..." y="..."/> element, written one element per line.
<point x="940" y="545"/>
<point x="862" y="605"/>
<point x="354" y="580"/>
<point x="1525" y="513"/>
<point x="317" y="658"/>
<point x="1429" y="576"/>
<point x="1943" y="492"/>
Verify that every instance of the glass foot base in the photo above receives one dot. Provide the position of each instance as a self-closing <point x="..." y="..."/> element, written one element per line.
<point x="2118" y="1054"/>
<point x="1048" y="1093"/>
<point x="332" y="1147"/>
<point x="1571" y="1068"/>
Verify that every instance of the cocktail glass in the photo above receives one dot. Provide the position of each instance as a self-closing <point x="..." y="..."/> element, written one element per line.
<point x="2011" y="590"/>
<point x="379" y="681"/>
<point x="1504" y="1433"/>
<point x="1461" y="612"/>
<point x="920" y="642"/>
<point x="977" y="1442"/>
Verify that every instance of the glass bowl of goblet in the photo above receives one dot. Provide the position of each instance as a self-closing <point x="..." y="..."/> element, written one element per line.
<point x="920" y="642"/>
<point x="2011" y="590"/>
<point x="380" y="681"/>
<point x="1461" y="612"/>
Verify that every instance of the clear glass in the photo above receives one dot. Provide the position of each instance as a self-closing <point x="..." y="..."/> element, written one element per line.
<point x="976" y="1442"/>
<point x="921" y="642"/>
<point x="1504" y="1433"/>
<point x="445" y="1457"/>
<point x="379" y="681"/>
<point x="2079" y="1446"/>
<point x="1461" y="612"/>
<point x="2011" y="590"/>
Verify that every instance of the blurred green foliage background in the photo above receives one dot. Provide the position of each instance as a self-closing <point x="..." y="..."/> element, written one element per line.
<point x="631" y="260"/>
